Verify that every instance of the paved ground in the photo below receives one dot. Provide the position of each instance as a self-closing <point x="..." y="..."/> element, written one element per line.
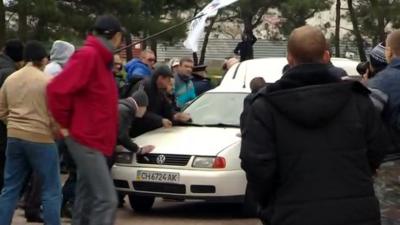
<point x="387" y="185"/>
<point x="174" y="213"/>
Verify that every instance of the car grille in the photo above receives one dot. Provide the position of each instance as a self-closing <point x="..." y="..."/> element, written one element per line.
<point x="170" y="160"/>
<point x="160" y="187"/>
<point x="121" y="184"/>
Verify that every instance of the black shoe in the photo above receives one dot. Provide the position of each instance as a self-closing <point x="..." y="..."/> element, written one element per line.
<point x="66" y="211"/>
<point x="34" y="219"/>
<point x="121" y="204"/>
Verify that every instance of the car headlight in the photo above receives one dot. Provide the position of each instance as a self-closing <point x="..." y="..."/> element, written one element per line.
<point x="124" y="157"/>
<point x="209" y="162"/>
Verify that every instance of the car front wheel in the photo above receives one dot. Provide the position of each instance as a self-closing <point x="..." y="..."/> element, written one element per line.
<point x="141" y="204"/>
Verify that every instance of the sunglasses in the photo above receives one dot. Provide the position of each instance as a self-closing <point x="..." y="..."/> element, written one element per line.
<point x="151" y="59"/>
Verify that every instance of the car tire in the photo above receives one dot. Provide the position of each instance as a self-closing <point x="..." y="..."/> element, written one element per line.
<point x="140" y="203"/>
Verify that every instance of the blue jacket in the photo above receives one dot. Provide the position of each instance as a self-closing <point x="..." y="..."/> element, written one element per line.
<point x="135" y="67"/>
<point x="201" y="84"/>
<point x="388" y="81"/>
<point x="184" y="91"/>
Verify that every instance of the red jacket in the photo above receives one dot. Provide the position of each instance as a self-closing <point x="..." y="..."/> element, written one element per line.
<point x="83" y="98"/>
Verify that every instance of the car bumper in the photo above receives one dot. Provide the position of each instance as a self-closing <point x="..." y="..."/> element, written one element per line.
<point x="193" y="184"/>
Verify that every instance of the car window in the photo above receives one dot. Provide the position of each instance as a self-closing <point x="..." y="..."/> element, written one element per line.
<point x="217" y="108"/>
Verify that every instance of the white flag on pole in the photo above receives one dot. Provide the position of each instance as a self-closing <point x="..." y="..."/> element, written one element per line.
<point x="197" y="26"/>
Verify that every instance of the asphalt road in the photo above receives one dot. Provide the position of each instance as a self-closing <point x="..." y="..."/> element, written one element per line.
<point x="174" y="213"/>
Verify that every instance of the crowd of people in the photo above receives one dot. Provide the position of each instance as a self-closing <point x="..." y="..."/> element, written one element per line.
<point x="311" y="142"/>
<point x="78" y="106"/>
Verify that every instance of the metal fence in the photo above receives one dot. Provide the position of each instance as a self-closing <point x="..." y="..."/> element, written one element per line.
<point x="218" y="49"/>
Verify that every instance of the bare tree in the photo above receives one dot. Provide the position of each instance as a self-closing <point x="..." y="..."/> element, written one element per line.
<point x="206" y="37"/>
<point x="22" y="9"/>
<point x="378" y="9"/>
<point x="2" y="23"/>
<point x="356" y="31"/>
<point x="337" y="28"/>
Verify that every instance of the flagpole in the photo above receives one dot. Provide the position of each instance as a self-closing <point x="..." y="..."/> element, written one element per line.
<point x="158" y="33"/>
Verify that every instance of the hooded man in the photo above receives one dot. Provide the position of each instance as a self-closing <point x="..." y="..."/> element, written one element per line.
<point x="59" y="56"/>
<point x="312" y="143"/>
<point x="129" y="109"/>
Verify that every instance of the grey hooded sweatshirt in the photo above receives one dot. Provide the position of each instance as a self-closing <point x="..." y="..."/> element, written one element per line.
<point x="59" y="56"/>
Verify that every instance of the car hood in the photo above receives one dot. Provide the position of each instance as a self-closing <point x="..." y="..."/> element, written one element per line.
<point x="201" y="141"/>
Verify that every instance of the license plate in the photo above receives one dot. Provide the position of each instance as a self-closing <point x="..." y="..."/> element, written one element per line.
<point x="160" y="177"/>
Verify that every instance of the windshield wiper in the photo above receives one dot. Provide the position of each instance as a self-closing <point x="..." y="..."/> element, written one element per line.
<point x="224" y="125"/>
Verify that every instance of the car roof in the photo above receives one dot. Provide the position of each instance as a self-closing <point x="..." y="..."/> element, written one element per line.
<point x="239" y="76"/>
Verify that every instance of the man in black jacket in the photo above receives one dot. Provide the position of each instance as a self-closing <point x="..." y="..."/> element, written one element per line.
<point x="244" y="49"/>
<point x="311" y="143"/>
<point x="11" y="59"/>
<point x="161" y="109"/>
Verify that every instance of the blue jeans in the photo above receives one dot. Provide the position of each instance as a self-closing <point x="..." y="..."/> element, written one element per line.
<point x="42" y="158"/>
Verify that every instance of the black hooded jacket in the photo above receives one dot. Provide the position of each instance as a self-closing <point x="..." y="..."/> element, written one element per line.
<point x="310" y="147"/>
<point x="126" y="117"/>
<point x="159" y="107"/>
<point x="7" y="67"/>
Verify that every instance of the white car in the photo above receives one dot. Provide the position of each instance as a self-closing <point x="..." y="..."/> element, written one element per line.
<point x="199" y="160"/>
<point x="270" y="69"/>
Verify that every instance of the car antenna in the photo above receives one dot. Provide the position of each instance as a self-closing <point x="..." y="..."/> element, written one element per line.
<point x="244" y="79"/>
<point x="237" y="69"/>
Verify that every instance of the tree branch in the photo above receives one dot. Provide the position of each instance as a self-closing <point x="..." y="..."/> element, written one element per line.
<point x="260" y="14"/>
<point x="311" y="14"/>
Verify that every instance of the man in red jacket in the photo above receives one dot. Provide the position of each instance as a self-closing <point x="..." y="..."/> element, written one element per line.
<point x="83" y="99"/>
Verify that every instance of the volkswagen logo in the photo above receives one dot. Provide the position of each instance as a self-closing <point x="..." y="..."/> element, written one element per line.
<point x="160" y="159"/>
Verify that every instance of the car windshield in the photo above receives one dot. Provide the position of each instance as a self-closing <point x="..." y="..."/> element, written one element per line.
<point x="217" y="109"/>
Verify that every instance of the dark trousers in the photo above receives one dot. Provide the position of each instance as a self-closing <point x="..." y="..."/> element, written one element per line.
<point x="3" y="146"/>
<point x="96" y="199"/>
<point x="68" y="189"/>
<point x="33" y="197"/>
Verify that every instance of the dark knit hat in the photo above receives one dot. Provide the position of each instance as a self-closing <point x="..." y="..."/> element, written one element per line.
<point x="14" y="49"/>
<point x="34" y="51"/>
<point x="163" y="70"/>
<point x="107" y="25"/>
<point x="377" y="56"/>
<point x="140" y="97"/>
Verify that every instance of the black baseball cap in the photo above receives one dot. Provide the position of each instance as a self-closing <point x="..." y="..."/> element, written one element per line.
<point x="163" y="70"/>
<point x="34" y="51"/>
<point x="14" y="49"/>
<point x="107" y="25"/>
